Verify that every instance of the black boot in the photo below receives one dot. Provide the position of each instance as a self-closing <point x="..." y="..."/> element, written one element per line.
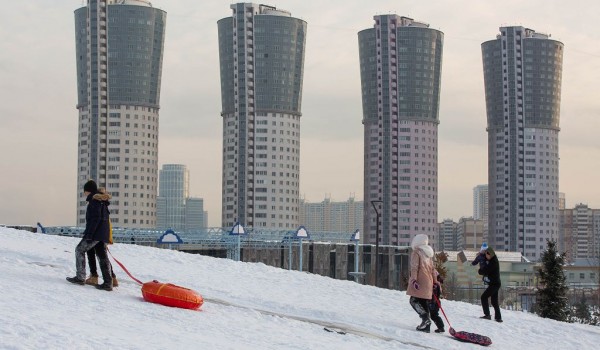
<point x="75" y="280"/>
<point x="425" y="326"/>
<point x="107" y="286"/>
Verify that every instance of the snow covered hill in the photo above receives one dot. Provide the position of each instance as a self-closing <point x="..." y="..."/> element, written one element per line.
<point x="247" y="306"/>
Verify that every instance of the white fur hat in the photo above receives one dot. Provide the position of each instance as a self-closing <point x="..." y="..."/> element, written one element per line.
<point x="419" y="240"/>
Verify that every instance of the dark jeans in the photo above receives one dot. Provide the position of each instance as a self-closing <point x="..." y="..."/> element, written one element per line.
<point x="91" y="255"/>
<point x="491" y="291"/>
<point x="86" y="245"/>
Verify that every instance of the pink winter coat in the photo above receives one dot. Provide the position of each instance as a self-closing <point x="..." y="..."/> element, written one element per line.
<point x="421" y="270"/>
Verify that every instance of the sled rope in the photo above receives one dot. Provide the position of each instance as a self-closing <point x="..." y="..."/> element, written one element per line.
<point x="125" y="269"/>
<point x="443" y="312"/>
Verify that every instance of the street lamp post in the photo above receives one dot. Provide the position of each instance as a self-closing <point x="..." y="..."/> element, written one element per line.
<point x="376" y="243"/>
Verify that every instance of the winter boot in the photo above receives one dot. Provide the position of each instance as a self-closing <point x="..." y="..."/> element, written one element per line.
<point x="76" y="280"/>
<point x="105" y="286"/>
<point x="440" y="330"/>
<point x="425" y="326"/>
<point x="115" y="283"/>
<point x="486" y="317"/>
<point x="92" y="280"/>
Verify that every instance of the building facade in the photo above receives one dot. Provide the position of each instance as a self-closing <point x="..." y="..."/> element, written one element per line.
<point x="328" y="216"/>
<point x="119" y="48"/>
<point x="196" y="218"/>
<point x="470" y="234"/>
<point x="579" y="233"/>
<point x="480" y="202"/>
<point x="261" y="54"/>
<point x="400" y="67"/>
<point x="173" y="192"/>
<point x="447" y="235"/>
<point x="522" y="76"/>
<point x="175" y="208"/>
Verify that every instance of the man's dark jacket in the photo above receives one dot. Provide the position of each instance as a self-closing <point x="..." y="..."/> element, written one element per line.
<point x="96" y="217"/>
<point x="492" y="271"/>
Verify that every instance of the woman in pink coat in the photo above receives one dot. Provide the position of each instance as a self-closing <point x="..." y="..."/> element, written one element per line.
<point x="422" y="276"/>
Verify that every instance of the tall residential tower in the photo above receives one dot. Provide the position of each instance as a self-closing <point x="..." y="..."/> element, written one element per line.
<point x="522" y="73"/>
<point x="400" y="68"/>
<point x="261" y="53"/>
<point x="119" y="46"/>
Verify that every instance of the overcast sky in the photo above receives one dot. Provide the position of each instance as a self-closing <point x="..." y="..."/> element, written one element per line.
<point x="38" y="132"/>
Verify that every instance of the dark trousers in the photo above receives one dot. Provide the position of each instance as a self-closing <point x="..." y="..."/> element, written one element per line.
<point x="420" y="306"/>
<point x="86" y="245"/>
<point x="434" y="311"/>
<point x="91" y="255"/>
<point x="491" y="291"/>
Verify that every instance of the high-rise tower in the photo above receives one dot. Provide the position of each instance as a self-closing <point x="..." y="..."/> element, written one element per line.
<point x="261" y="53"/>
<point x="522" y="73"/>
<point x="119" y="46"/>
<point x="173" y="192"/>
<point x="400" y="68"/>
<point x="480" y="202"/>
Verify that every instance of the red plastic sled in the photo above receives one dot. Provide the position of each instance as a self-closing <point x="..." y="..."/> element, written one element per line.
<point x="471" y="337"/>
<point x="465" y="336"/>
<point x="171" y="295"/>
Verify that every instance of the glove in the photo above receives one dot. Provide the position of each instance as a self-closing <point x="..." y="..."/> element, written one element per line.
<point x="414" y="284"/>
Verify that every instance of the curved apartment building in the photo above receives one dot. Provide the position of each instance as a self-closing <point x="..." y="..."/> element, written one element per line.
<point x="119" y="46"/>
<point x="400" y="67"/>
<point x="522" y="74"/>
<point x="261" y="54"/>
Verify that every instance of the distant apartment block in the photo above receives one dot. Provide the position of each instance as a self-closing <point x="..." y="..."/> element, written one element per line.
<point x="175" y="209"/>
<point x="480" y="202"/>
<point x="522" y="78"/>
<point x="447" y="239"/>
<point x="331" y="216"/>
<point x="579" y="233"/>
<point x="470" y="233"/>
<point x="195" y="215"/>
<point x="481" y="207"/>
<point x="400" y="68"/>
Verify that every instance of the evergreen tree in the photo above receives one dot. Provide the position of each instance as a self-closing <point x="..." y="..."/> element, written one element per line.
<point x="582" y="311"/>
<point x="552" y="295"/>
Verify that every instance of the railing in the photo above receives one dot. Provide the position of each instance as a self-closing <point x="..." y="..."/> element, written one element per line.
<point x="214" y="237"/>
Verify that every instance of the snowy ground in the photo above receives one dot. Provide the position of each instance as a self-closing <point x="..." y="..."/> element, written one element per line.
<point x="247" y="306"/>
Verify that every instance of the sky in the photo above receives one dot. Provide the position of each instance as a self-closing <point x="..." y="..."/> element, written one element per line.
<point x="38" y="133"/>
<point x="246" y="306"/>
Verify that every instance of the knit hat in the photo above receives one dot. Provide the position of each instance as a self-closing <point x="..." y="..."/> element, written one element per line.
<point x="484" y="246"/>
<point x="491" y="251"/>
<point x="90" y="186"/>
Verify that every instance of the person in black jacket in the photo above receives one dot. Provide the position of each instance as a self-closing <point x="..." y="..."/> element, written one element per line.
<point x="96" y="233"/>
<point x="490" y="270"/>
